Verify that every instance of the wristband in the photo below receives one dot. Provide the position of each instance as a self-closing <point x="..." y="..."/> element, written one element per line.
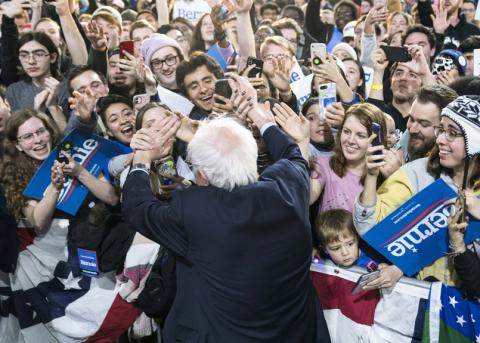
<point x="376" y="87"/>
<point x="140" y="166"/>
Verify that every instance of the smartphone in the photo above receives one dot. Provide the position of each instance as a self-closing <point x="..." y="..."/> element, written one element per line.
<point x="224" y="12"/>
<point x="327" y="95"/>
<point x="364" y="279"/>
<point x="140" y="100"/>
<point x="222" y="87"/>
<point x="64" y="149"/>
<point x="396" y="54"/>
<point x="127" y="46"/>
<point x="318" y="52"/>
<point x="377" y="130"/>
<point x="258" y="69"/>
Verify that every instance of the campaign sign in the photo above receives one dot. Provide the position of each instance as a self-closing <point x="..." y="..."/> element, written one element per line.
<point x="416" y="234"/>
<point x="88" y="150"/>
<point x="192" y="10"/>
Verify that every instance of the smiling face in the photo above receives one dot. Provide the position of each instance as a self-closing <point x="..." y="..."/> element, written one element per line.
<point x="165" y="73"/>
<point x="343" y="15"/>
<point x="120" y="120"/>
<point x="422" y="119"/>
<point x="200" y="86"/>
<point x="398" y="24"/>
<point x="451" y="153"/>
<point x="207" y="30"/>
<point x="354" y="140"/>
<point x="36" y="66"/>
<point x="343" y="252"/>
<point x="34" y="139"/>
<point x="320" y="132"/>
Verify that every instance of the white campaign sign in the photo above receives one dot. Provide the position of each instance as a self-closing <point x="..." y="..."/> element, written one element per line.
<point x="191" y="10"/>
<point x="476" y="62"/>
<point x="368" y="79"/>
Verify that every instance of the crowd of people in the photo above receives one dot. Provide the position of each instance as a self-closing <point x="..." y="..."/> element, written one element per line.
<point x="233" y="176"/>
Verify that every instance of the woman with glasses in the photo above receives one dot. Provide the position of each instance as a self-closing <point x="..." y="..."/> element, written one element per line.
<point x="454" y="159"/>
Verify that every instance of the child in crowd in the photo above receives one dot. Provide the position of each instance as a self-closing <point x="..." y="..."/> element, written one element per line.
<point x="339" y="239"/>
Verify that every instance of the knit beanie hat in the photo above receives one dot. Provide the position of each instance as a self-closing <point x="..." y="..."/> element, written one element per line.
<point x="129" y="15"/>
<point x="345" y="46"/>
<point x="158" y="41"/>
<point x="109" y="11"/>
<point x="456" y="57"/>
<point x="465" y="112"/>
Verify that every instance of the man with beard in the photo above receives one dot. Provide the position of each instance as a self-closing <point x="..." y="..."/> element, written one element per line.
<point x="424" y="116"/>
<point x="345" y="11"/>
<point x="451" y="31"/>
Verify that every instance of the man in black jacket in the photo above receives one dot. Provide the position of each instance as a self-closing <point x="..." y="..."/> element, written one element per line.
<point x="449" y="25"/>
<point x="243" y="241"/>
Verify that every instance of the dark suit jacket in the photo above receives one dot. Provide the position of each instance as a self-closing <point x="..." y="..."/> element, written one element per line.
<point x="245" y="275"/>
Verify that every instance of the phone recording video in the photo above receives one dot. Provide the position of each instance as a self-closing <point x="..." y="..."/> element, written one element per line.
<point x="377" y="130"/>
<point x="396" y="54"/>
<point x="127" y="46"/>
<point x="64" y="149"/>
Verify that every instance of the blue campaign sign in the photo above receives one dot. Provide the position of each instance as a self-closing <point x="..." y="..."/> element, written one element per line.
<point x="90" y="151"/>
<point x="416" y="234"/>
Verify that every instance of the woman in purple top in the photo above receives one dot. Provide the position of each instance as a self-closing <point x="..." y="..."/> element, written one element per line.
<point x="337" y="179"/>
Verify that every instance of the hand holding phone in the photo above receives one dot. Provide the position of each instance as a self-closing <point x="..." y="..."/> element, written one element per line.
<point x="127" y="46"/>
<point x="327" y="95"/>
<point x="64" y="150"/>
<point x="222" y="87"/>
<point x="257" y="70"/>
<point x="364" y="279"/>
<point x="396" y="54"/>
<point x="378" y="140"/>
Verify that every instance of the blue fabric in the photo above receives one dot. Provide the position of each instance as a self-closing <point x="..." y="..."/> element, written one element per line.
<point x="337" y="37"/>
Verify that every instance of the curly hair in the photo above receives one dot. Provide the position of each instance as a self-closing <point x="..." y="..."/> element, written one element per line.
<point x="17" y="169"/>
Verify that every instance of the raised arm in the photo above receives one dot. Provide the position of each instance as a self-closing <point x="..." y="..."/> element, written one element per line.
<point x="246" y="38"/>
<point x="73" y="38"/>
<point x="162" y="12"/>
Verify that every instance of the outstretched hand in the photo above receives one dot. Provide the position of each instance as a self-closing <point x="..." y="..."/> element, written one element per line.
<point x="83" y="105"/>
<point x="296" y="126"/>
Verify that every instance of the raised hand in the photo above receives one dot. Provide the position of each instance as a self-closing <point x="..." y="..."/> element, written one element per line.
<point x="96" y="36"/>
<point x="279" y="74"/>
<point x="393" y="161"/>
<point x="142" y="72"/>
<point x="222" y="104"/>
<point x="457" y="227"/>
<point x="83" y="104"/>
<point x="62" y="7"/>
<point x="57" y="177"/>
<point x="51" y="85"/>
<point x="187" y="129"/>
<point x="296" y="126"/>
<point x="14" y="7"/>
<point x="40" y="100"/>
<point x="334" y="114"/>
<point x="379" y="60"/>
<point x="440" y="19"/>
<point x="242" y="6"/>
<point x="72" y="168"/>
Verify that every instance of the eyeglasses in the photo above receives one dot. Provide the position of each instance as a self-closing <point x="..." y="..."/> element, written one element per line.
<point x="28" y="137"/>
<point x="37" y="55"/>
<point x="269" y="58"/>
<point x="450" y="134"/>
<point x="169" y="61"/>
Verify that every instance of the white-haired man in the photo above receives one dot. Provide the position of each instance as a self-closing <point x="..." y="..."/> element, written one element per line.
<point x="242" y="240"/>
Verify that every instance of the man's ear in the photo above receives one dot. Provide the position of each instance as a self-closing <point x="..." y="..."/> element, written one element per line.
<point x="200" y="178"/>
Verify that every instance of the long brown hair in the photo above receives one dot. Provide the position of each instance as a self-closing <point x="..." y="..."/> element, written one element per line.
<point x="435" y="169"/>
<point x="367" y="114"/>
<point x="18" y="168"/>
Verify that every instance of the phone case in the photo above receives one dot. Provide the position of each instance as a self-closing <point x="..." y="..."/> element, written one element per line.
<point x="327" y="95"/>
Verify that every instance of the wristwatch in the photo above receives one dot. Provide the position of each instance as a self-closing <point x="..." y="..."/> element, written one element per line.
<point x="140" y="166"/>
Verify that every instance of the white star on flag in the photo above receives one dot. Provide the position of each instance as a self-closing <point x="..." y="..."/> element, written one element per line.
<point x="460" y="320"/>
<point x="471" y="316"/>
<point x="477" y="339"/>
<point x="452" y="301"/>
<point x="414" y="250"/>
<point x="70" y="282"/>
